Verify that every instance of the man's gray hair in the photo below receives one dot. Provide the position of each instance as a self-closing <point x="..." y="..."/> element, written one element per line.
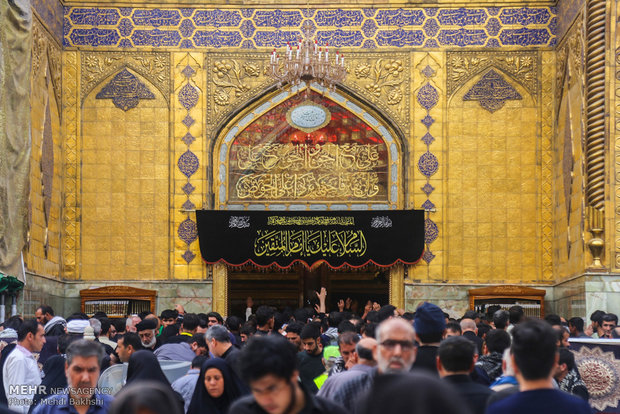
<point x="468" y="324"/>
<point x="96" y="325"/>
<point x="85" y="349"/>
<point x="386" y="325"/>
<point x="219" y="333"/>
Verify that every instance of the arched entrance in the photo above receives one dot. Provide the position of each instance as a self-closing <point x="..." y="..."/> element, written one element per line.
<point x="307" y="150"/>
<point x="296" y="287"/>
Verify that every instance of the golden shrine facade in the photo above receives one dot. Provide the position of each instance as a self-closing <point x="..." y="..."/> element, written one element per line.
<point x="496" y="118"/>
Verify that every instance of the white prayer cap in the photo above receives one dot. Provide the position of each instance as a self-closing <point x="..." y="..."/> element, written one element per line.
<point x="77" y="326"/>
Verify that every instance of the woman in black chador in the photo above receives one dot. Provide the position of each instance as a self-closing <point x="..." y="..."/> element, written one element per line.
<point x="217" y="387"/>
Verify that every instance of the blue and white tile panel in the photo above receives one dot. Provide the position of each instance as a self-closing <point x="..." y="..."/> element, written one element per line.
<point x="351" y="28"/>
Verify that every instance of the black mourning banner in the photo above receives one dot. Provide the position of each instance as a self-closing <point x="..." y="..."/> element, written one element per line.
<point x="282" y="238"/>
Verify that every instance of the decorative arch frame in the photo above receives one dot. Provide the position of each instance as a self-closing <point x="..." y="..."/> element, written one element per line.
<point x="474" y="78"/>
<point x="233" y="125"/>
<point x="109" y="74"/>
<point x="96" y="87"/>
<point x="470" y="81"/>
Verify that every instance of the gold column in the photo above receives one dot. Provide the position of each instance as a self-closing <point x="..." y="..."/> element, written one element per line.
<point x="614" y="164"/>
<point x="547" y="131"/>
<point x="71" y="210"/>
<point x="596" y="243"/>
<point x="595" y="126"/>
<point x="220" y="289"/>
<point x="397" y="286"/>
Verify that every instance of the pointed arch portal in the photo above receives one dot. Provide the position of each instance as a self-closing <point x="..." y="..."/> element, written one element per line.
<point x="253" y="154"/>
<point x="310" y="177"/>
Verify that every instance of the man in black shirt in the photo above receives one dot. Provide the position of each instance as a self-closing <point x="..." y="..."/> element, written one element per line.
<point x="310" y="360"/>
<point x="189" y="327"/>
<point x="264" y="320"/>
<point x="430" y="326"/>
<point x="53" y="325"/>
<point x="455" y="362"/>
<point x="535" y="355"/>
<point x="220" y="346"/>
<point x="470" y="331"/>
<point x="268" y="365"/>
<point x="567" y="375"/>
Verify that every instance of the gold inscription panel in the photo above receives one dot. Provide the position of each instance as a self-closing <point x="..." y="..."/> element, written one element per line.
<point x="343" y="159"/>
<point x="308" y="171"/>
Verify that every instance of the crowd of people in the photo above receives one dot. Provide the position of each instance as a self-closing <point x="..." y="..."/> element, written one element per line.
<point x="299" y="361"/>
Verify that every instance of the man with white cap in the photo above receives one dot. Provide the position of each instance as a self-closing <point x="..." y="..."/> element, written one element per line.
<point x="76" y="327"/>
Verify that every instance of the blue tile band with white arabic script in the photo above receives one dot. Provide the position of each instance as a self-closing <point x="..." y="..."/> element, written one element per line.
<point x="365" y="28"/>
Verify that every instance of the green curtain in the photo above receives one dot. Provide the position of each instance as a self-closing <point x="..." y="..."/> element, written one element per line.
<point x="10" y="285"/>
<point x="15" y="143"/>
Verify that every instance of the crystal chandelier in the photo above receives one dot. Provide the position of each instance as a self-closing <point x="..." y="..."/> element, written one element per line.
<point x="307" y="62"/>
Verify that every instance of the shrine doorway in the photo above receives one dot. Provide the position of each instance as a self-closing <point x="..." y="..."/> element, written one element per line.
<point x="307" y="149"/>
<point x="296" y="287"/>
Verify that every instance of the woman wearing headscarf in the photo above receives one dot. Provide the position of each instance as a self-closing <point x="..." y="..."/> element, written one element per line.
<point x="143" y="366"/>
<point x="146" y="397"/>
<point x="217" y="387"/>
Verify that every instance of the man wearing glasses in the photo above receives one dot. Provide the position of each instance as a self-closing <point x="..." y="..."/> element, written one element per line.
<point x="268" y="363"/>
<point x="395" y="352"/>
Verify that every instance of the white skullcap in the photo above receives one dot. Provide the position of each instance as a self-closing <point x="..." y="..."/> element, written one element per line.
<point x="77" y="326"/>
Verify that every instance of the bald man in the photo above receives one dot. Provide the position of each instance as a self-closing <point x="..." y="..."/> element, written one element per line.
<point x="470" y="331"/>
<point x="361" y="362"/>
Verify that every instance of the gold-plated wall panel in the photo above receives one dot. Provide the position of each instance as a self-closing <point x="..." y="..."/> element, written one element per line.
<point x="493" y="178"/>
<point x="492" y="167"/>
<point x="428" y="74"/>
<point x="397" y="287"/>
<point x="613" y="221"/>
<point x="42" y="252"/>
<point x="547" y="116"/>
<point x="220" y="288"/>
<point x="124" y="189"/>
<point x="70" y="120"/>
<point x="569" y="253"/>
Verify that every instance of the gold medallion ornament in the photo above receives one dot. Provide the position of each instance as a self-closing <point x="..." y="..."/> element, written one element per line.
<point x="308" y="116"/>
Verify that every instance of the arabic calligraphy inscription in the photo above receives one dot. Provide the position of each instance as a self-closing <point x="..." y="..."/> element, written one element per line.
<point x="310" y="242"/>
<point x="284" y="171"/>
